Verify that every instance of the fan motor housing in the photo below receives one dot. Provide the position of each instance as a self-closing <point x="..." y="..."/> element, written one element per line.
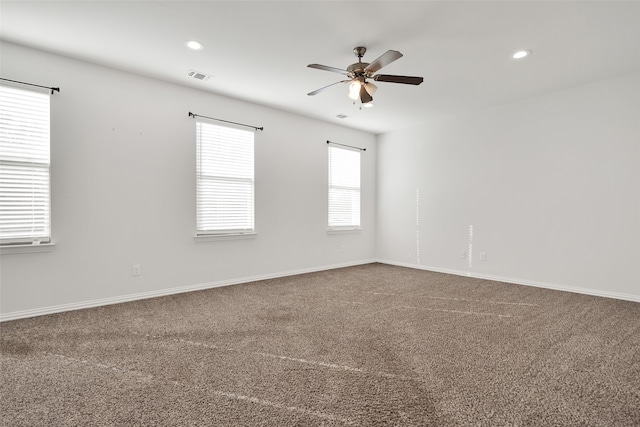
<point x="358" y="68"/>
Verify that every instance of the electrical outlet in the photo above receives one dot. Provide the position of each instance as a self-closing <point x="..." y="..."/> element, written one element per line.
<point x="483" y="256"/>
<point x="463" y="254"/>
<point x="135" y="271"/>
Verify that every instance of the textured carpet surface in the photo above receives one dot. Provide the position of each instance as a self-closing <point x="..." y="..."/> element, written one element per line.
<point x="370" y="345"/>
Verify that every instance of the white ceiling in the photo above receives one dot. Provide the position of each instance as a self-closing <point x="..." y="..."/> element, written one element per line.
<point x="258" y="51"/>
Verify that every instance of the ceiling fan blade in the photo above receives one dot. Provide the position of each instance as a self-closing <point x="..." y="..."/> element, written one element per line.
<point x="322" y="89"/>
<point x="364" y="95"/>
<point x="327" y="68"/>
<point x="408" y="80"/>
<point x="387" y="58"/>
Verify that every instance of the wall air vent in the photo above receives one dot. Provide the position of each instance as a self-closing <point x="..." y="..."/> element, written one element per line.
<point x="198" y="75"/>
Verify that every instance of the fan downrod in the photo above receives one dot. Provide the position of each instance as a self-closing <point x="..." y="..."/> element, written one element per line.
<point x="357" y="70"/>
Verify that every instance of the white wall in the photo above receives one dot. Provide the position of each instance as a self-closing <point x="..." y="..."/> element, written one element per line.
<point x="123" y="191"/>
<point x="551" y="186"/>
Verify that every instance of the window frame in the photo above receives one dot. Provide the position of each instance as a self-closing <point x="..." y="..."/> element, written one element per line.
<point x="36" y="241"/>
<point x="354" y="227"/>
<point x="203" y="234"/>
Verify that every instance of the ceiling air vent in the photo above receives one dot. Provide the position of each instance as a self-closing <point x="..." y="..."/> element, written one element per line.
<point x="198" y="75"/>
<point x="342" y="116"/>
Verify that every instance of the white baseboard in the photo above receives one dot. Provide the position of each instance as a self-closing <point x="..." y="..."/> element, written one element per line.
<point x="164" y="292"/>
<point x="574" y="289"/>
<point x="178" y="290"/>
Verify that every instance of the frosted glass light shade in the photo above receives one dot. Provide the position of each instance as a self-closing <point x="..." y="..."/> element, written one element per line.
<point x="354" y="90"/>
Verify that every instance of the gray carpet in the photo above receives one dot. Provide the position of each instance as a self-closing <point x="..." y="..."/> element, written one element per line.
<point x="369" y="345"/>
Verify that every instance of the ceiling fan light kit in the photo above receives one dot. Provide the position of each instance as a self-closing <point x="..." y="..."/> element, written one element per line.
<point x="359" y="72"/>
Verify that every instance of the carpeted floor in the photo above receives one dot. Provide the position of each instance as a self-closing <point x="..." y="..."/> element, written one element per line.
<point x="370" y="345"/>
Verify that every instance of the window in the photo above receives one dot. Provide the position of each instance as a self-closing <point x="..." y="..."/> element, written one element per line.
<point x="344" y="188"/>
<point x="224" y="182"/>
<point x="25" y="206"/>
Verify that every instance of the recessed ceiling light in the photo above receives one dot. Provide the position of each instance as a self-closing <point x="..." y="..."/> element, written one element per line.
<point x="521" y="54"/>
<point x="194" y="45"/>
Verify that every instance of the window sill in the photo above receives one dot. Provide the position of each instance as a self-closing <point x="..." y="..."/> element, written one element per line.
<point x="344" y="230"/>
<point x="26" y="249"/>
<point x="222" y="237"/>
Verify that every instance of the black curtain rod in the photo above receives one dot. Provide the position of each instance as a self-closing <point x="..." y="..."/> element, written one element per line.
<point x="350" y="146"/>
<point x="226" y="121"/>
<point x="53" y="89"/>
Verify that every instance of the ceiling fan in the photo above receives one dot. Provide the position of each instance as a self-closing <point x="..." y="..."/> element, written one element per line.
<point x="359" y="72"/>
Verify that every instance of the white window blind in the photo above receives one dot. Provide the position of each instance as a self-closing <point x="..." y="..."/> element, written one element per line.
<point x="25" y="207"/>
<point x="344" y="188"/>
<point x="225" y="179"/>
